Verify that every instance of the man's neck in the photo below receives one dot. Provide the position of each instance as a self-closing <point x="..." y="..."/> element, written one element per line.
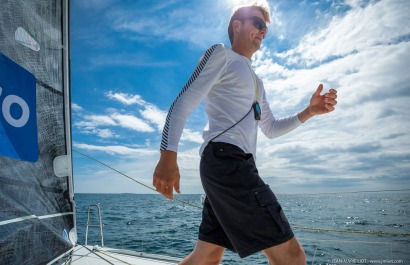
<point x="238" y="49"/>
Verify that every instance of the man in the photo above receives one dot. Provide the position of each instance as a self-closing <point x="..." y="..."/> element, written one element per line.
<point x="240" y="212"/>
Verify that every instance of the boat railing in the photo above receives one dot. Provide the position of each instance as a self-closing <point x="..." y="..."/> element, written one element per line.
<point x="100" y="225"/>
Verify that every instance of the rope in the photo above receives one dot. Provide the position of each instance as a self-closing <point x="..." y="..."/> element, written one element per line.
<point x="350" y="192"/>
<point x="105" y="253"/>
<point x="295" y="226"/>
<point x="349" y="231"/>
<point x="119" y="172"/>
<point x="95" y="253"/>
<point x="346" y="241"/>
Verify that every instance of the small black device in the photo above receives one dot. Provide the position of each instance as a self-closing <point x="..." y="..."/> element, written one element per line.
<point x="257" y="110"/>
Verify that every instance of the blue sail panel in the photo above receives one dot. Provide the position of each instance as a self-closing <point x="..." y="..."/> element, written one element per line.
<point x="18" y="122"/>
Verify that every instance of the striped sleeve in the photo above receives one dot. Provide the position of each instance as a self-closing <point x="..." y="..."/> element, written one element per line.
<point x="207" y="73"/>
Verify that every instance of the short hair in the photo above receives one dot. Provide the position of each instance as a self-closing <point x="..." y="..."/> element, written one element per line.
<point x="243" y="12"/>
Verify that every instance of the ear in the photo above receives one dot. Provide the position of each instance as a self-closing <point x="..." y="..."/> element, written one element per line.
<point x="236" y="25"/>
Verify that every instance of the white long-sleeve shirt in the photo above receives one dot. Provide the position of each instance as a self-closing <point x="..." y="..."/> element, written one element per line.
<point x="224" y="80"/>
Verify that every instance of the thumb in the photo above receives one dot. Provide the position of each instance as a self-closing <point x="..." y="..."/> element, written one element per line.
<point x="176" y="186"/>
<point x="318" y="91"/>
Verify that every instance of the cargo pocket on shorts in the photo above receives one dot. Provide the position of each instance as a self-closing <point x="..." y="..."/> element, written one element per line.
<point x="267" y="199"/>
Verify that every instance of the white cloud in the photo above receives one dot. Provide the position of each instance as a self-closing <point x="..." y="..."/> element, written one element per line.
<point x="354" y="3"/>
<point x="192" y="136"/>
<point x="76" y="107"/>
<point x="172" y="23"/>
<point x="89" y="124"/>
<point x="366" y="140"/>
<point x="132" y="122"/>
<point x="125" y="98"/>
<point x="154" y="115"/>
<point x="102" y="133"/>
<point x="133" y="60"/>
<point x="92" y="121"/>
<point x="150" y="112"/>
<point x="137" y="163"/>
<point x="115" y="149"/>
<point x="105" y="133"/>
<point x="381" y="22"/>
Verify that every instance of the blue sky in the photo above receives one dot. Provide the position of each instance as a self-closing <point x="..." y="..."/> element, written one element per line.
<point x="130" y="59"/>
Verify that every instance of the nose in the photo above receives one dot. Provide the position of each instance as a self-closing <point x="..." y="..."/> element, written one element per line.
<point x="263" y="32"/>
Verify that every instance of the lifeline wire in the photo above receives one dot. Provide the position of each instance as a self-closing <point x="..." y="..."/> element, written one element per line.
<point x="119" y="172"/>
<point x="294" y="226"/>
<point x="350" y="231"/>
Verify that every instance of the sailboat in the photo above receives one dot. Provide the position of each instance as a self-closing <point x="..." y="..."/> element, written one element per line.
<point x="37" y="205"/>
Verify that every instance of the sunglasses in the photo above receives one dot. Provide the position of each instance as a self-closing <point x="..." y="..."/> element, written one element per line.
<point x="257" y="22"/>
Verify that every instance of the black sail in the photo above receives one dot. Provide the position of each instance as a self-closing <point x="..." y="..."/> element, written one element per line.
<point x="37" y="222"/>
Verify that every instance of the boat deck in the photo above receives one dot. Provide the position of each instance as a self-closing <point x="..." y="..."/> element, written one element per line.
<point x="89" y="255"/>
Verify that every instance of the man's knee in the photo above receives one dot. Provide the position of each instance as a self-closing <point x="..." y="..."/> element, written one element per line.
<point x="204" y="253"/>
<point x="290" y="252"/>
<point x="299" y="256"/>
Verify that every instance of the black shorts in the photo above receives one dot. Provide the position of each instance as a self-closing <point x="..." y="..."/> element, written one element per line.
<point x="240" y="213"/>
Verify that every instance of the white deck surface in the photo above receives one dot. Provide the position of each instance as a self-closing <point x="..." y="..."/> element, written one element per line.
<point x="89" y="255"/>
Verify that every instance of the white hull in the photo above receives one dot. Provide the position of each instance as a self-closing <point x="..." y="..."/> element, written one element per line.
<point x="90" y="255"/>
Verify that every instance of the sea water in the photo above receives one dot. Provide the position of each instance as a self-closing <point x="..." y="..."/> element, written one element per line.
<point x="334" y="229"/>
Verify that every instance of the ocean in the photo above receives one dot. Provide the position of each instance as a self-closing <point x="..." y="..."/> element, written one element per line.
<point x="334" y="229"/>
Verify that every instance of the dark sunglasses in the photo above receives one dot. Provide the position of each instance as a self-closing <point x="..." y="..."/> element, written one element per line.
<point x="257" y="22"/>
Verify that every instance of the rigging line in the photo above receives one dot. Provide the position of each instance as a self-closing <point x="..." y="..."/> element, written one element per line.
<point x="350" y="231"/>
<point x="119" y="172"/>
<point x="68" y="256"/>
<point x="138" y="255"/>
<point x="349" y="192"/>
<point x="95" y="253"/>
<point x="74" y="252"/>
<point x="346" y="241"/>
<point x="104" y="253"/>
<point x="298" y="227"/>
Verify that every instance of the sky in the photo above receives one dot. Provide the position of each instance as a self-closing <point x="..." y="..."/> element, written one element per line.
<point x="130" y="59"/>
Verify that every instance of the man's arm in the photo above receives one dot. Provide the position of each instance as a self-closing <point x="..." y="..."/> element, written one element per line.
<point x="208" y="71"/>
<point x="319" y="104"/>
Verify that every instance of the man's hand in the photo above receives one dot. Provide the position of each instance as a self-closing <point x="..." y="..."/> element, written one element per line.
<point x="166" y="175"/>
<point x="321" y="104"/>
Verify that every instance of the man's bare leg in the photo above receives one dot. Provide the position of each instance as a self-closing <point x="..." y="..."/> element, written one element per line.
<point x="290" y="252"/>
<point x="204" y="253"/>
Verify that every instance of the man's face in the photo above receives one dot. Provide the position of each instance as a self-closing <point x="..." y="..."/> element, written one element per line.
<point x="253" y="30"/>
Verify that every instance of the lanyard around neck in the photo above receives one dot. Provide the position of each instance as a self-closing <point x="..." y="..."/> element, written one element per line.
<point x="255" y="83"/>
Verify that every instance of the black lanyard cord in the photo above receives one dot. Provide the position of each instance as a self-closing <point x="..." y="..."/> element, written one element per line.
<point x="233" y="125"/>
